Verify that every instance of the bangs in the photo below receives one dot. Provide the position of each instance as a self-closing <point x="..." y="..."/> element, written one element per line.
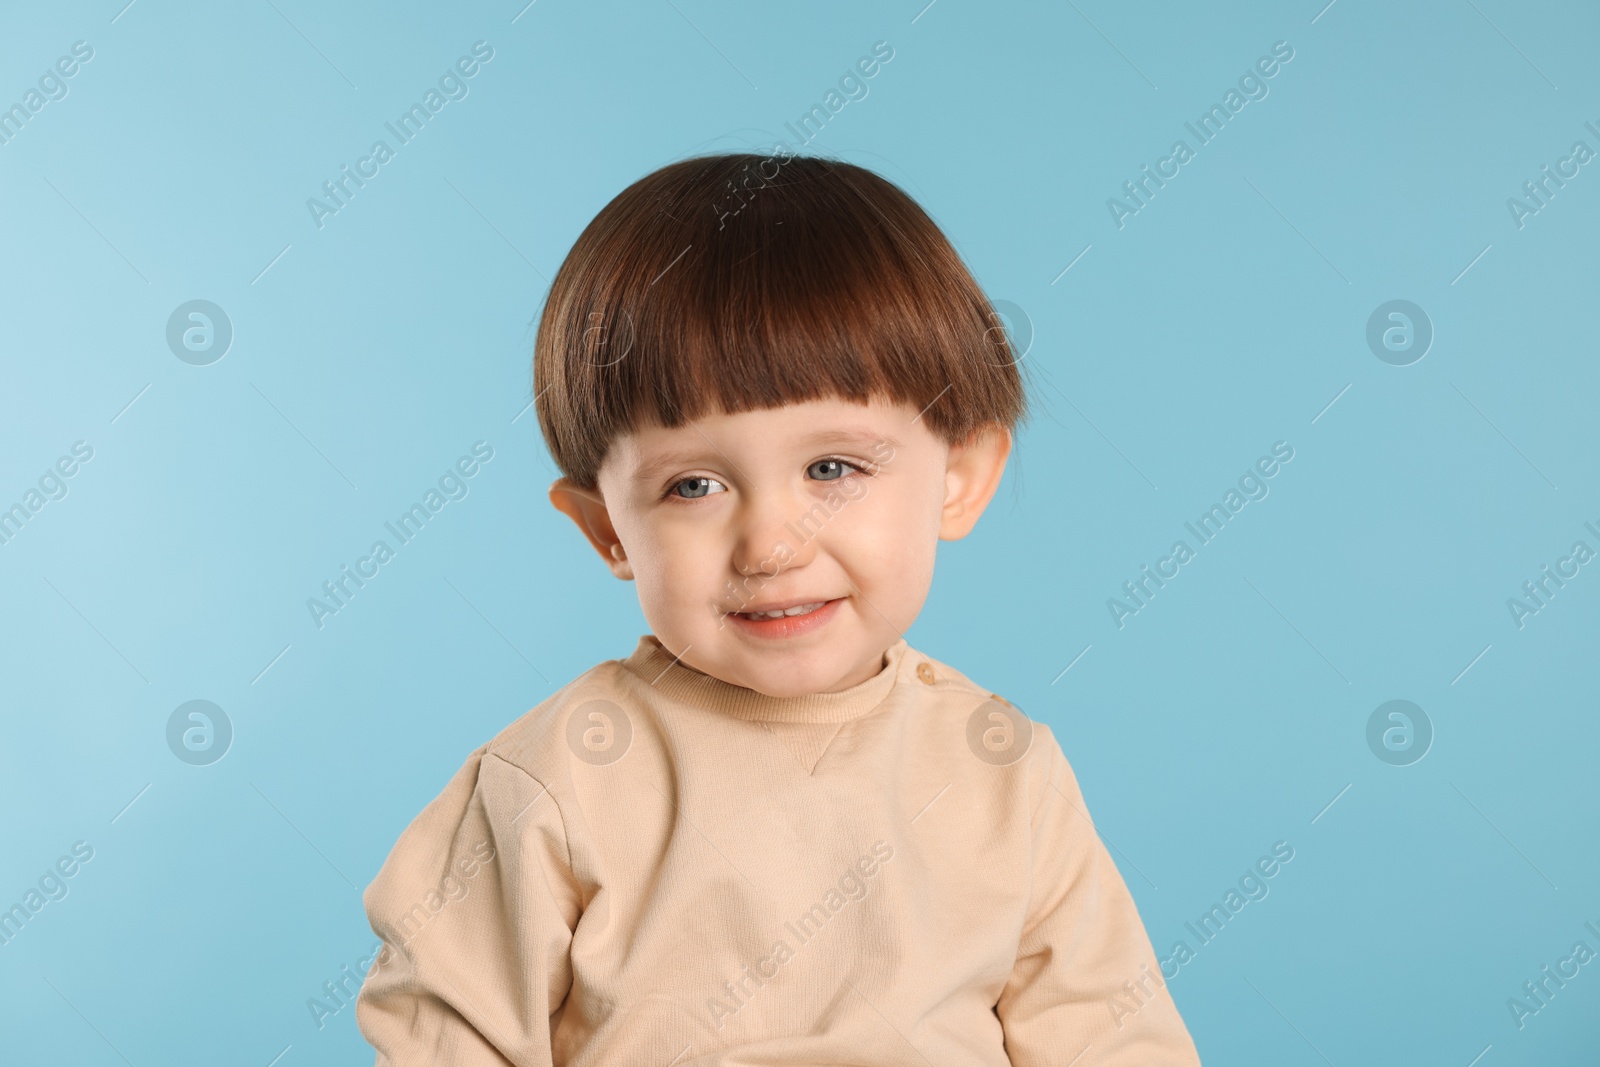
<point x="740" y="282"/>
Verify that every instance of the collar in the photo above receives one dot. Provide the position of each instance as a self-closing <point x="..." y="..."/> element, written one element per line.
<point x="676" y="680"/>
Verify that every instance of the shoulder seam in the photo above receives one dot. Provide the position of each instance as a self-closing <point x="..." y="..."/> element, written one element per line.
<point x="566" y="843"/>
<point x="1042" y="732"/>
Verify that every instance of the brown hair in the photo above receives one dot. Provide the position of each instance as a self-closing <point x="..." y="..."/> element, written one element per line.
<point x="739" y="282"/>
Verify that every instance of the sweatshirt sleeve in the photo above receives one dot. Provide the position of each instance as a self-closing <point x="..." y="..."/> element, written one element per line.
<point x="475" y="905"/>
<point x="1086" y="987"/>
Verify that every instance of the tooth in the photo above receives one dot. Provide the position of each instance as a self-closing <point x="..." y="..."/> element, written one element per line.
<point x="778" y="613"/>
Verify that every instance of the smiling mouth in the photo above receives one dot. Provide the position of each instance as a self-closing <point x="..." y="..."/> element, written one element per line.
<point x="778" y="613"/>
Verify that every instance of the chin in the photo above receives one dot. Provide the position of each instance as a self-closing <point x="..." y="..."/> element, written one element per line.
<point x="781" y="683"/>
<point x="797" y="690"/>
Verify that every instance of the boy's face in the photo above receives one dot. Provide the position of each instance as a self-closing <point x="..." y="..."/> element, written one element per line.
<point x="828" y="502"/>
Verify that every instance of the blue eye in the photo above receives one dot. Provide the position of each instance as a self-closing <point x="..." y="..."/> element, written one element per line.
<point x="697" y="487"/>
<point x="833" y="469"/>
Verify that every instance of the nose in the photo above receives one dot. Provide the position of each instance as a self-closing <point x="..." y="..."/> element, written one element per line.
<point x="767" y="539"/>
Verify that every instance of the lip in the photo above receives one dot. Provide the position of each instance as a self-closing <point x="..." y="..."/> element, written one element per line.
<point x="788" y="625"/>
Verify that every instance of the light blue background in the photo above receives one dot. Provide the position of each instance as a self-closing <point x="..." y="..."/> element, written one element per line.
<point x="1223" y="317"/>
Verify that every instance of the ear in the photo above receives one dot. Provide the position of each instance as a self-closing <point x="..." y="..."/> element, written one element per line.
<point x="587" y="508"/>
<point x="972" y="475"/>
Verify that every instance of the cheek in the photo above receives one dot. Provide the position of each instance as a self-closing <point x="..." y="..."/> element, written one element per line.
<point x="674" y="567"/>
<point x="892" y="537"/>
<point x="653" y="557"/>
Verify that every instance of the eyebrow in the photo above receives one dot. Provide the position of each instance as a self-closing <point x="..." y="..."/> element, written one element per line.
<point x="659" y="465"/>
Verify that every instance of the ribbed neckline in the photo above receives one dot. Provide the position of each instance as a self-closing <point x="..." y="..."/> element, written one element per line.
<point x="677" y="680"/>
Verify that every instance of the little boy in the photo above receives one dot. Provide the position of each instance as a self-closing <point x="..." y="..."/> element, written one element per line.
<point x="774" y="833"/>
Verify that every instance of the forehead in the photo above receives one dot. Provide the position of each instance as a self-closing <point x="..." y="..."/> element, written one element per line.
<point x="651" y="451"/>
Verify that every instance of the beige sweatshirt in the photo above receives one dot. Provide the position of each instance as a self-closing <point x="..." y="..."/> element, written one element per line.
<point x="657" y="868"/>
